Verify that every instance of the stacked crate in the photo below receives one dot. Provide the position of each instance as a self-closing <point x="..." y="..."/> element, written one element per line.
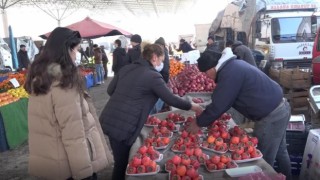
<point x="296" y="84"/>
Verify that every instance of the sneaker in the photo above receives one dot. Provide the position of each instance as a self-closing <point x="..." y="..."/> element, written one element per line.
<point x="98" y="83"/>
<point x="102" y="82"/>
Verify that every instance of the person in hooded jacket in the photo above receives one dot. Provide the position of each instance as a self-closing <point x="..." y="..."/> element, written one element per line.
<point x="134" y="53"/>
<point x="119" y="55"/>
<point x="133" y="92"/>
<point x="65" y="137"/>
<point x="256" y="96"/>
<point x="241" y="51"/>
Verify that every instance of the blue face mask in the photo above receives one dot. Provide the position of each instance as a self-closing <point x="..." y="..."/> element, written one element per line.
<point x="160" y="67"/>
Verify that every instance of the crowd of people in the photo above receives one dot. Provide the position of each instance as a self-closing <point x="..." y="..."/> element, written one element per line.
<point x="66" y="137"/>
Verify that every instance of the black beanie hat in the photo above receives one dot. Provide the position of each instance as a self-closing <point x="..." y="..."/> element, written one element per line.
<point x="136" y="38"/>
<point x="160" y="41"/>
<point x="208" y="60"/>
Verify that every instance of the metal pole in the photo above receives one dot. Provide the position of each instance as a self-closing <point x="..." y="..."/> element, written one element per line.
<point x="5" y="22"/>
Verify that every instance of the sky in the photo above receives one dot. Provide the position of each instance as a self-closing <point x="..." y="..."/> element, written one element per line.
<point x="34" y="22"/>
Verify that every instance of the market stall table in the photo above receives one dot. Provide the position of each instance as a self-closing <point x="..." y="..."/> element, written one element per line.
<point x="15" y="121"/>
<point x="168" y="154"/>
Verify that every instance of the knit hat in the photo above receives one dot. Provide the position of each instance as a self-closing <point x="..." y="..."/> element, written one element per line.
<point x="160" y="41"/>
<point x="136" y="38"/>
<point x="208" y="60"/>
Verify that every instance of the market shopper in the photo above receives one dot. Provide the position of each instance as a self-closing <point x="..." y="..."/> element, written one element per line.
<point x="164" y="72"/>
<point x="134" y="53"/>
<point x="65" y="136"/>
<point x="97" y="57"/>
<point x="253" y="94"/>
<point x="105" y="61"/>
<point x="184" y="46"/>
<point x="133" y="92"/>
<point x="119" y="57"/>
<point x="23" y="58"/>
<point x="212" y="45"/>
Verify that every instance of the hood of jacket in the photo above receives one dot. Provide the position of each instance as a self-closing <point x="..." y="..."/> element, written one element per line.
<point x="227" y="55"/>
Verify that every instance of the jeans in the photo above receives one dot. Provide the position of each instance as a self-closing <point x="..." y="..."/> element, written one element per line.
<point x="271" y="133"/>
<point x="93" y="177"/>
<point x="157" y="107"/>
<point x="120" y="152"/>
<point x="100" y="73"/>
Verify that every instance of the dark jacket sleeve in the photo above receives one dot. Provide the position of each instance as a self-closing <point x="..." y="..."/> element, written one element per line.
<point x="160" y="88"/>
<point x="223" y="97"/>
<point x="113" y="84"/>
<point x="114" y="60"/>
<point x="166" y="67"/>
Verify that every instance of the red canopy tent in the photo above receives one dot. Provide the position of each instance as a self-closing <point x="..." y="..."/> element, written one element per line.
<point x="90" y="29"/>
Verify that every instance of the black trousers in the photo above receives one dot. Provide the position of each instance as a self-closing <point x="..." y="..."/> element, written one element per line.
<point x="121" y="157"/>
<point x="93" y="177"/>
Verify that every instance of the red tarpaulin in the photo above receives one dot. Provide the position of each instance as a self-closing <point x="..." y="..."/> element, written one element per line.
<point x="90" y="28"/>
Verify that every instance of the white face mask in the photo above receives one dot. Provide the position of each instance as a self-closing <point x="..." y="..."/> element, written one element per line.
<point x="160" y="67"/>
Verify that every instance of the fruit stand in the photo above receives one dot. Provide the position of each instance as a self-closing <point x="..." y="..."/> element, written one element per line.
<point x="13" y="112"/>
<point x="178" y="152"/>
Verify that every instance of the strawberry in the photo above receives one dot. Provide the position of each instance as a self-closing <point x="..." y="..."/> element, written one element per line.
<point x="198" y="152"/>
<point x="254" y="140"/>
<point x="185" y="161"/>
<point x="184" y="134"/>
<point x="212" y="166"/>
<point x="221" y="165"/>
<point x="245" y="155"/>
<point x="215" y="159"/>
<point x="231" y="164"/>
<point x="239" y="150"/>
<point x="189" y="151"/>
<point x="146" y="160"/>
<point x="175" y="177"/>
<point x="236" y="156"/>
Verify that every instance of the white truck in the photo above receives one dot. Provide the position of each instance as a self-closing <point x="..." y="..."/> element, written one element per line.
<point x="280" y="29"/>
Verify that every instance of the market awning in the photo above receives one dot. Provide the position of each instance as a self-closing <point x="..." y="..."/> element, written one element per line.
<point x="90" y="28"/>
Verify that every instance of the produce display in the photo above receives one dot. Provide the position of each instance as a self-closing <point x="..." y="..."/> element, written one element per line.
<point x="176" y="67"/>
<point x="18" y="92"/>
<point x="219" y="162"/>
<point x="7" y="98"/>
<point x="5" y="85"/>
<point x="227" y="147"/>
<point x="191" y="80"/>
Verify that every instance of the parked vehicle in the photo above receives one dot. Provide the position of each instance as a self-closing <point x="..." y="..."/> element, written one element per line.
<point x="279" y="29"/>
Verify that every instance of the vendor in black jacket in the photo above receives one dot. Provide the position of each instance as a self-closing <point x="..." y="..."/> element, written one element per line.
<point x="133" y="92"/>
<point x="252" y="93"/>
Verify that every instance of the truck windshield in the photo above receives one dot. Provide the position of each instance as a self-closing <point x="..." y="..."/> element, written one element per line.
<point x="291" y="29"/>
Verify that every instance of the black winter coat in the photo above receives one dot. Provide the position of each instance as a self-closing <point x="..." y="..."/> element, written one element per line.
<point x="119" y="59"/>
<point x="23" y="59"/>
<point x="185" y="47"/>
<point x="133" y="93"/>
<point x="166" y="66"/>
<point x="244" y="53"/>
<point x="133" y="54"/>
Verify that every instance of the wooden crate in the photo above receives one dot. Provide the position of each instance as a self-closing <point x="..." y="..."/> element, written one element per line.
<point x="295" y="78"/>
<point x="274" y="74"/>
<point x="298" y="102"/>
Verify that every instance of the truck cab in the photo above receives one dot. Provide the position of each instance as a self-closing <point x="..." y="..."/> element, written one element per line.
<point x="286" y="37"/>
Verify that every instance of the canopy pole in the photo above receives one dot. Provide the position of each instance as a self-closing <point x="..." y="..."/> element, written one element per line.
<point x="5" y="22"/>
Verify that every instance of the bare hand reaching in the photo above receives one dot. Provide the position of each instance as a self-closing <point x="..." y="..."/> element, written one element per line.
<point x="196" y="108"/>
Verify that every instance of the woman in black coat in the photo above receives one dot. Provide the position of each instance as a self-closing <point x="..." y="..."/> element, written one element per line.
<point x="133" y="93"/>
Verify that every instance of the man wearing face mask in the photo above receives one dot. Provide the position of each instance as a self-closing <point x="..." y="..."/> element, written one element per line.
<point x="133" y="93"/>
<point x="253" y="94"/>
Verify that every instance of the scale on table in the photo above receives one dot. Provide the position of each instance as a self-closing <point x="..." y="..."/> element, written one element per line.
<point x="314" y="98"/>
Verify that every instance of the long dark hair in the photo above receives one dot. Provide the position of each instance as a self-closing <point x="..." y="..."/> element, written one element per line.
<point x="56" y="50"/>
